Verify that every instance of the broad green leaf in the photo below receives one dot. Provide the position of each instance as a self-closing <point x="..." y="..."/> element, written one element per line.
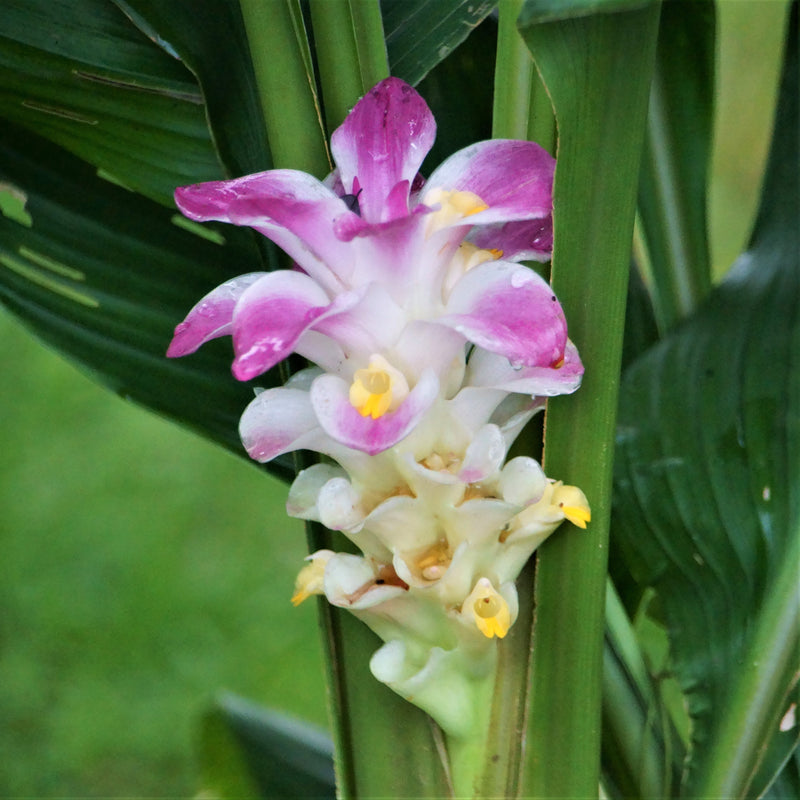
<point x="80" y="74"/>
<point x="642" y="753"/>
<point x="249" y="751"/>
<point x="103" y="275"/>
<point x="675" y="163"/>
<point x="421" y="33"/>
<point x="467" y="72"/>
<point x="787" y="784"/>
<point x="597" y="73"/>
<point x="536" y="11"/>
<point x="209" y="38"/>
<point x="707" y="499"/>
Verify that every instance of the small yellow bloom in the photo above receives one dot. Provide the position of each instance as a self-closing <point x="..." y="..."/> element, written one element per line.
<point x="573" y="504"/>
<point x="310" y="579"/>
<point x="489" y="609"/>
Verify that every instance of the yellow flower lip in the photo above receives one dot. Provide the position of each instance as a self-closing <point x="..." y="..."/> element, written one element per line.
<point x="490" y="611"/>
<point x="310" y="579"/>
<point x="377" y="389"/>
<point x="453" y="206"/>
<point x="572" y="503"/>
<point x="577" y="515"/>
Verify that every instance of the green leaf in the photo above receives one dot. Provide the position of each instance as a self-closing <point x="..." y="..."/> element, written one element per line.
<point x="209" y="38"/>
<point x="537" y="11"/>
<point x="467" y="72"/>
<point x="80" y="74"/>
<point x="421" y="33"/>
<point x="596" y="70"/>
<point x="102" y="275"/>
<point x="642" y="753"/>
<point x="675" y="163"/>
<point x="787" y="784"/>
<point x="385" y="746"/>
<point x="522" y="108"/>
<point x="707" y="499"/>
<point x="249" y="751"/>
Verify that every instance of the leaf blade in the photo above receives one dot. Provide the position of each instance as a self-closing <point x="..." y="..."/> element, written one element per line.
<point x="709" y="443"/>
<point x="127" y="273"/>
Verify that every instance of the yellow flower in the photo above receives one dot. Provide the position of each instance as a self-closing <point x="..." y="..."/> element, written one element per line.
<point x="489" y="609"/>
<point x="310" y="579"/>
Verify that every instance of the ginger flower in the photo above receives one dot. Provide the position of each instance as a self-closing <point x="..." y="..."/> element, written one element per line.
<point x="430" y="347"/>
<point x="390" y="270"/>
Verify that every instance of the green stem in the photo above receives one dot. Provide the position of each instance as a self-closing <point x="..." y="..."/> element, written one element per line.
<point x="468" y="756"/>
<point x="759" y="697"/>
<point x="351" y="52"/>
<point x="513" y="78"/>
<point x="285" y="82"/>
<point x="522" y="108"/>
<point x="597" y="70"/>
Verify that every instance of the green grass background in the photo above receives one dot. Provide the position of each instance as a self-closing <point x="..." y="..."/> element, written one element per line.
<point x="142" y="570"/>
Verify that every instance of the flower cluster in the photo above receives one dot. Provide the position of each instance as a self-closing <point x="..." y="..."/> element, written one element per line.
<point x="431" y="347"/>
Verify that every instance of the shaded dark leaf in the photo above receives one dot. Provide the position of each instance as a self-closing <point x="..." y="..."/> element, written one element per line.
<point x="706" y="502"/>
<point x="249" y="751"/>
<point x="80" y="74"/>
<point x="103" y="275"/>
<point x="421" y="33"/>
<point x="676" y="159"/>
<point x="209" y="38"/>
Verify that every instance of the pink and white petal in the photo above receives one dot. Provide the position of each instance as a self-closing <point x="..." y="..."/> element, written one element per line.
<point x="525" y="240"/>
<point x="211" y="317"/>
<point x="322" y="351"/>
<point x="427" y="345"/>
<point x="514" y="413"/>
<point x="269" y="318"/>
<point x="280" y="421"/>
<point x="474" y="406"/>
<point x="513" y="178"/>
<point x="508" y="309"/>
<point x="342" y="422"/>
<point x="370" y="326"/>
<point x="383" y="142"/>
<point x="292" y="208"/>
<point x="490" y="370"/>
<point x="394" y="253"/>
<point x="484" y="456"/>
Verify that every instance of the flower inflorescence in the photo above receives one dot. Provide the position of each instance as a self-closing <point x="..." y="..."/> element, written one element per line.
<point x="431" y="347"/>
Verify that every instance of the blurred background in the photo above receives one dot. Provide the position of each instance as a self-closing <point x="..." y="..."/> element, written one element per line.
<point x="143" y="570"/>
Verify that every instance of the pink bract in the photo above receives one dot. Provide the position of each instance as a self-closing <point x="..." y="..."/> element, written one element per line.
<point x="375" y="275"/>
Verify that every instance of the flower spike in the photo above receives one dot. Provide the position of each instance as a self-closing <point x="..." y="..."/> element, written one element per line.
<point x="430" y="347"/>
